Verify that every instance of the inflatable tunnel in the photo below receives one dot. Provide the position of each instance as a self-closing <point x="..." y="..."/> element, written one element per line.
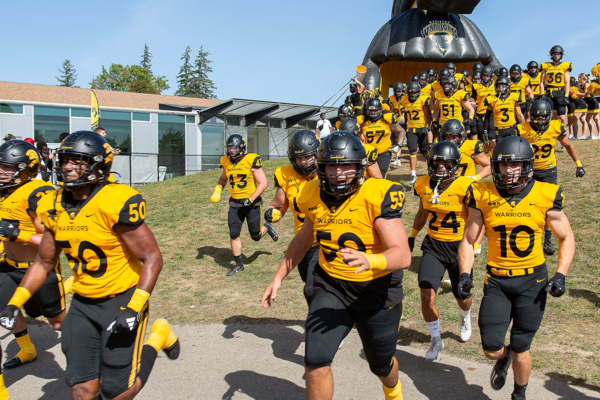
<point x="424" y="34"/>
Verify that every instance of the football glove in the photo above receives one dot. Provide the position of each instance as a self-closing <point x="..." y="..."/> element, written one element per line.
<point x="125" y="321"/>
<point x="272" y="215"/>
<point x="556" y="285"/>
<point x="9" y="316"/>
<point x="465" y="284"/>
<point x="580" y="172"/>
<point x="467" y="122"/>
<point x="216" y="196"/>
<point x="435" y="126"/>
<point x="9" y="230"/>
<point x="411" y="243"/>
<point x="395" y="148"/>
<point x="246" y="202"/>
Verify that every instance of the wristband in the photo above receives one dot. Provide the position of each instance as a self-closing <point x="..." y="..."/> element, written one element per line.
<point x="20" y="297"/>
<point x="377" y="262"/>
<point x="414" y="233"/>
<point x="413" y="156"/>
<point x="139" y="298"/>
<point x="578" y="164"/>
<point x="218" y="189"/>
<point x="477" y="177"/>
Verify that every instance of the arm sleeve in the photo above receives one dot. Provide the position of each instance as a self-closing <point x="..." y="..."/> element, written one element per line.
<point x="276" y="181"/>
<point x="372" y="157"/>
<point x="257" y="162"/>
<point x="563" y="130"/>
<point x="36" y="195"/>
<point x="559" y="199"/>
<point x="427" y="101"/>
<point x="570" y="67"/>
<point x="470" y="198"/>
<point x="133" y="211"/>
<point x="478" y="148"/>
<point x="392" y="205"/>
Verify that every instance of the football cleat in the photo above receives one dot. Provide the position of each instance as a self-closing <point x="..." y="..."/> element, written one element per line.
<point x="500" y="370"/>
<point x="447" y="284"/>
<point x="465" y="328"/>
<point x="434" y="349"/>
<point x="413" y="179"/>
<point x="271" y="231"/>
<point x="235" y="270"/>
<point x="16" y="361"/>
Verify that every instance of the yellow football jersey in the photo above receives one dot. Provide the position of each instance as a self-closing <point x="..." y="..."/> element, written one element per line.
<point x="469" y="148"/>
<point x="504" y="110"/>
<point x="437" y="88"/>
<point x="292" y="183"/>
<point x="459" y="77"/>
<point x="351" y="223"/>
<point x="520" y="87"/>
<point x="514" y="225"/>
<point x="379" y="133"/>
<point x="555" y="74"/>
<point x="240" y="177"/>
<point x="446" y="217"/>
<point x="451" y="107"/>
<point x="535" y="83"/>
<point x="396" y="107"/>
<point x="426" y="91"/>
<point x="543" y="143"/>
<point x="371" y="156"/>
<point x="481" y="92"/>
<point x="101" y="262"/>
<point x="14" y="207"/>
<point x="337" y="125"/>
<point x="415" y="115"/>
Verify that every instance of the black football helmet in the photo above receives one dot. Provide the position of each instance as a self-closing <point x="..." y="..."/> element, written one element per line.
<point x="451" y="67"/>
<point x="516" y="72"/>
<point x="91" y="148"/>
<point x="423" y="79"/>
<point x="465" y="74"/>
<point x="444" y="73"/>
<point x="303" y="143"/>
<point x="477" y="67"/>
<point x="443" y="151"/>
<point x="414" y="78"/>
<point x="450" y="84"/>
<point x="236" y="147"/>
<point x="502" y="86"/>
<point x="486" y="74"/>
<point x="399" y="89"/>
<point x="512" y="149"/>
<point x="22" y="155"/>
<point x="476" y="78"/>
<point x="533" y="68"/>
<point x="414" y="91"/>
<point x="556" y="53"/>
<point x="374" y="109"/>
<point x="453" y="131"/>
<point x="502" y="72"/>
<point x="431" y="72"/>
<point x="541" y="114"/>
<point x="344" y="111"/>
<point x="350" y="125"/>
<point x="341" y="147"/>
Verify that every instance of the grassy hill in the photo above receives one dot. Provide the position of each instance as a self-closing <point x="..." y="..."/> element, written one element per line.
<point x="193" y="288"/>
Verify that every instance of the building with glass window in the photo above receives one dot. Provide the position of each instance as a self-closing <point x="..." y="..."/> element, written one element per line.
<point x="160" y="137"/>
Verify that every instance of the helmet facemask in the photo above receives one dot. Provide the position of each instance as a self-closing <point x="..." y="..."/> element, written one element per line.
<point x="17" y="178"/>
<point x="439" y="174"/>
<point x="92" y="173"/>
<point x="341" y="185"/>
<point x="556" y="57"/>
<point x="305" y="167"/>
<point x="515" y="76"/>
<point x="449" y="88"/>
<point x="513" y="180"/>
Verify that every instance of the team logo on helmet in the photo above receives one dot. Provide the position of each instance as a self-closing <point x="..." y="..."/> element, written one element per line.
<point x="441" y="33"/>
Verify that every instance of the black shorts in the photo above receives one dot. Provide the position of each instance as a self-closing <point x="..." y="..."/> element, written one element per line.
<point x="306" y="268"/>
<point x="521" y="299"/>
<point x="505" y="132"/>
<point x="478" y="127"/>
<point x="546" y="175"/>
<point x="417" y="137"/>
<point x="329" y="321"/>
<point x="431" y="272"/>
<point x="592" y="104"/>
<point x="383" y="160"/>
<point x="49" y="301"/>
<point x="236" y="217"/>
<point x="571" y="108"/>
<point x="557" y="99"/>
<point x="93" y="352"/>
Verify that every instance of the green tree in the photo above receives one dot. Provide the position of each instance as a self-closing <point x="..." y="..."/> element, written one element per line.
<point x="202" y="86"/>
<point x="68" y="74"/>
<point x="184" y="79"/>
<point x="117" y="78"/>
<point x="145" y="81"/>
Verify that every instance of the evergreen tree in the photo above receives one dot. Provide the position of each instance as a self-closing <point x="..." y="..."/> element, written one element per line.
<point x="68" y="74"/>
<point x="146" y="63"/>
<point x="184" y="79"/>
<point x="202" y="86"/>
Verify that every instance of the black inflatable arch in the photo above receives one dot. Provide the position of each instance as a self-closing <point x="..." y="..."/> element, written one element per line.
<point x="418" y="38"/>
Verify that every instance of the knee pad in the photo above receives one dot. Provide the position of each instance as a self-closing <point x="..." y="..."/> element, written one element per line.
<point x="255" y="236"/>
<point x="381" y="366"/>
<point x="317" y="354"/>
<point x="234" y="235"/>
<point x="110" y="390"/>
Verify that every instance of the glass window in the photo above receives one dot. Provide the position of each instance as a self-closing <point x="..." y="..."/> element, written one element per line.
<point x="137" y="116"/>
<point x="171" y="144"/>
<point x="312" y="125"/>
<point x="11" y="108"/>
<point x="190" y="119"/>
<point x="258" y="141"/>
<point x="275" y="123"/>
<point x="81" y="112"/>
<point x="118" y="133"/>
<point x="216" y="121"/>
<point x="233" y="121"/>
<point x="49" y="123"/>
<point x="115" y="115"/>
<point x="213" y="146"/>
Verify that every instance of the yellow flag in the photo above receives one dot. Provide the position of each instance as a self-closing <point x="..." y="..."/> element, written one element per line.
<point x="95" y="112"/>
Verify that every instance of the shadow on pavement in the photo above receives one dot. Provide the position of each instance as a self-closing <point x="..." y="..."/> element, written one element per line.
<point x="409" y="335"/>
<point x="284" y="344"/>
<point x="263" y="387"/>
<point x="45" y="367"/>
<point x="556" y="385"/>
<point x="223" y="255"/>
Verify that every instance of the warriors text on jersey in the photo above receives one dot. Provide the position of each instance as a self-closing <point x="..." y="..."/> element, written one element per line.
<point x="555" y="74"/>
<point x="351" y="223"/>
<point x="520" y="87"/>
<point x="379" y="133"/>
<point x="239" y="175"/>
<point x="504" y="110"/>
<point x="481" y="92"/>
<point x="101" y="263"/>
<point x="14" y="208"/>
<point x="514" y="224"/>
<point x="543" y="142"/>
<point x="415" y="115"/>
<point x="468" y="150"/>
<point x="451" y="106"/>
<point x="446" y="217"/>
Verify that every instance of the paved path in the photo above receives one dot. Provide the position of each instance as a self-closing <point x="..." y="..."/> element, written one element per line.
<point x="265" y="362"/>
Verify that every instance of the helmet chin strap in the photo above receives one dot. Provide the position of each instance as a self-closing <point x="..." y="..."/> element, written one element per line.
<point x="436" y="196"/>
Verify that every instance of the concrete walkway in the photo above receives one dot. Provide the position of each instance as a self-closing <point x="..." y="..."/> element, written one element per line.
<point x="265" y="362"/>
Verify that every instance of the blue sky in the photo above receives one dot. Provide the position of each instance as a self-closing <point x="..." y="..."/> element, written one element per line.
<point x="299" y="52"/>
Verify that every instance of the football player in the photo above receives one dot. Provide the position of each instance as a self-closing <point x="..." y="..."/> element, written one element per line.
<point x="432" y="74"/>
<point x="247" y="181"/>
<point x="521" y="84"/>
<point x="289" y="181"/>
<point x="501" y="72"/>
<point x="504" y="106"/>
<point x="452" y="68"/>
<point x="424" y="84"/>
<point x="372" y="168"/>
<point x="399" y="91"/>
<point x="355" y="99"/>
<point x="116" y="262"/>
<point x="466" y="84"/>
<point x="542" y="134"/>
<point x="377" y="128"/>
<point x="441" y="197"/>
<point x="449" y="104"/>
<point x="535" y="79"/>
<point x="477" y="67"/>
<point x="484" y="116"/>
<point x="513" y="209"/>
<point x="418" y="117"/>
<point x="358" y="278"/>
<point x="21" y="232"/>
<point x="556" y="76"/>
<point x="343" y="112"/>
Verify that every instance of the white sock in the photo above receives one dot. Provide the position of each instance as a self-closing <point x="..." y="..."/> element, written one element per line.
<point x="413" y="172"/>
<point x="434" y="328"/>
<point x="465" y="314"/>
